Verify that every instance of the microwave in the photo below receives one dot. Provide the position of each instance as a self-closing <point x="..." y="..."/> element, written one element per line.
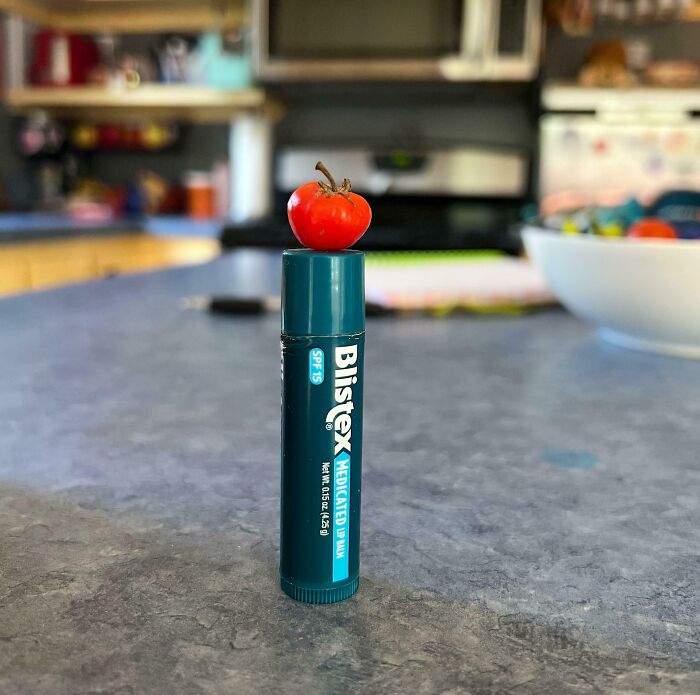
<point x="452" y="40"/>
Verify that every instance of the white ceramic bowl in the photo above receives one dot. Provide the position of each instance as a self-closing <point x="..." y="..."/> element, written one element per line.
<point x="640" y="294"/>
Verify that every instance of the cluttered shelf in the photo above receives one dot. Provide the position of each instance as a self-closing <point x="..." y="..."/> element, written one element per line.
<point x="192" y="103"/>
<point x="128" y="16"/>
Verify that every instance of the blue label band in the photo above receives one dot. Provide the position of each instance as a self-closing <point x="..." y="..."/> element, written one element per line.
<point x="316" y="366"/>
<point x="341" y="515"/>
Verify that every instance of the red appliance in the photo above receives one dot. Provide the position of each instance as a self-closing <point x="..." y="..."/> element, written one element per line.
<point x="61" y="59"/>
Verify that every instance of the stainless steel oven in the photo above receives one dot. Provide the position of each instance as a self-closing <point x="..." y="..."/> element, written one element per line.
<point x="460" y="40"/>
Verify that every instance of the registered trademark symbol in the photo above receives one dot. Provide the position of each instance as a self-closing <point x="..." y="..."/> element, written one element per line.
<point x="329" y="425"/>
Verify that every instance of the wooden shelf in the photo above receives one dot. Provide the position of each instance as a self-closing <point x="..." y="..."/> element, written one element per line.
<point x="129" y="16"/>
<point x="171" y="102"/>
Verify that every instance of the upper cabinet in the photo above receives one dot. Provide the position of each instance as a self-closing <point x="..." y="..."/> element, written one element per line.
<point x="132" y="16"/>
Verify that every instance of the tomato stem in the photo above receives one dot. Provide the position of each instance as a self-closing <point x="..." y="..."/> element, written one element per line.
<point x="333" y="189"/>
<point x="320" y="166"/>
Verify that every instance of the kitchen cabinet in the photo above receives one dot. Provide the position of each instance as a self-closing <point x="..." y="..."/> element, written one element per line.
<point x="37" y="265"/>
<point x="129" y="16"/>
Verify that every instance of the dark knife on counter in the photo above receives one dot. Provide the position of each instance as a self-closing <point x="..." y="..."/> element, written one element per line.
<point x="252" y="306"/>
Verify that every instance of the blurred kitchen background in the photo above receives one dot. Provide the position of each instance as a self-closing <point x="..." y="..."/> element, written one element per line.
<point x="142" y="134"/>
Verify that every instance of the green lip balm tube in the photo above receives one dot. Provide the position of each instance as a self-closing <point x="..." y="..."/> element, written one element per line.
<point x="323" y="336"/>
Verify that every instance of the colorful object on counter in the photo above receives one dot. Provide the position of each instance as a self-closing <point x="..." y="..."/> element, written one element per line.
<point x="569" y="226"/>
<point x="154" y="189"/>
<point x="89" y="202"/>
<point x="221" y="182"/>
<point x="688" y="230"/>
<point x="443" y="282"/>
<point x="613" y="221"/>
<point x="651" y="228"/>
<point x="147" y="193"/>
<point x="89" y="211"/>
<point x="116" y="198"/>
<point x="581" y="221"/>
<point x="328" y="217"/>
<point x="677" y="206"/>
<point x="674" y="215"/>
<point x="630" y="212"/>
<point x="199" y="192"/>
<point x="611" y="229"/>
<point x="174" y="201"/>
<point x="134" y="200"/>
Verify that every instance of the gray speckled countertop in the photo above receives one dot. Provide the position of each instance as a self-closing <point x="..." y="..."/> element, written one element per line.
<point x="531" y="504"/>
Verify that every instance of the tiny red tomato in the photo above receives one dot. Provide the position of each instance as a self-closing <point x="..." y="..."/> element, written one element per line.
<point x="652" y="228"/>
<point x="328" y="217"/>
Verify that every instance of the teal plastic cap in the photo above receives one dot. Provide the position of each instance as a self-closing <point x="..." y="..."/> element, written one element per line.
<point x="323" y="292"/>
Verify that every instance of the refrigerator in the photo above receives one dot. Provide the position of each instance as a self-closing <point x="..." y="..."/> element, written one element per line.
<point x="603" y="146"/>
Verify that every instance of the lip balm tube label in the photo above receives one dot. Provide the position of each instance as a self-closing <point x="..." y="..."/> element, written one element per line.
<point x="341" y="511"/>
<point x="321" y="459"/>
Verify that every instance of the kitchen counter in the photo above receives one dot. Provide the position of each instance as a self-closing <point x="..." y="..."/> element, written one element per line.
<point x="531" y="516"/>
<point x="33" y="226"/>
